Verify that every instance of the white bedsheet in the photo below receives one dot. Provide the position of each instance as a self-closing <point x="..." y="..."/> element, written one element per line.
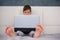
<point x="42" y="37"/>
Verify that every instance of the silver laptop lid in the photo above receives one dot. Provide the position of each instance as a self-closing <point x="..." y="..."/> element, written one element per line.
<point x="26" y="21"/>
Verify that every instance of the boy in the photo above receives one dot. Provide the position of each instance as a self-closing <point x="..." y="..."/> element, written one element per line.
<point x="26" y="11"/>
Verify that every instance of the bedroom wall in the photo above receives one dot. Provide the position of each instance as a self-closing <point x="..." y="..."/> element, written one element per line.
<point x="30" y="2"/>
<point x="49" y="17"/>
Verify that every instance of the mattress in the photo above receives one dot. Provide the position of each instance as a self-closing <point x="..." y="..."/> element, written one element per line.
<point x="42" y="37"/>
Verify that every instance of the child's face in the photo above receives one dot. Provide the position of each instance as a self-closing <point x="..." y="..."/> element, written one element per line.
<point x="27" y="12"/>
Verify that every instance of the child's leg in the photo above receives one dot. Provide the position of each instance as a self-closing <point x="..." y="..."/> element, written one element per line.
<point x="9" y="31"/>
<point x="38" y="31"/>
<point x="20" y="33"/>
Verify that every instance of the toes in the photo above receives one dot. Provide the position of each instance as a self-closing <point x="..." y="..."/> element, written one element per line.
<point x="8" y="30"/>
<point x="39" y="28"/>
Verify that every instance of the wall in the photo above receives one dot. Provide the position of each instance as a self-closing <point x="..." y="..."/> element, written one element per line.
<point x="49" y="17"/>
<point x="30" y="2"/>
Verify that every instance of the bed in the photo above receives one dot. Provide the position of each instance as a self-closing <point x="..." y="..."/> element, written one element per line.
<point x="42" y="37"/>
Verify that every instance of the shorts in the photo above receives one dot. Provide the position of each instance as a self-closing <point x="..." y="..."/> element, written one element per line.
<point x="25" y="31"/>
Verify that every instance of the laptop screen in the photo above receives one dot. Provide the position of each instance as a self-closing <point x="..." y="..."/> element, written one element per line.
<point x="26" y="21"/>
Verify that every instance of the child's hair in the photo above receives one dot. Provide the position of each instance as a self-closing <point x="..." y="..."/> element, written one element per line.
<point x="27" y="7"/>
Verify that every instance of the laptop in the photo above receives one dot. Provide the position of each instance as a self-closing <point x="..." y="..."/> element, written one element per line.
<point x="26" y="22"/>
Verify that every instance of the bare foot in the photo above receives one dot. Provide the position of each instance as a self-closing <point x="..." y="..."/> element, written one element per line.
<point x="38" y="31"/>
<point x="9" y="31"/>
